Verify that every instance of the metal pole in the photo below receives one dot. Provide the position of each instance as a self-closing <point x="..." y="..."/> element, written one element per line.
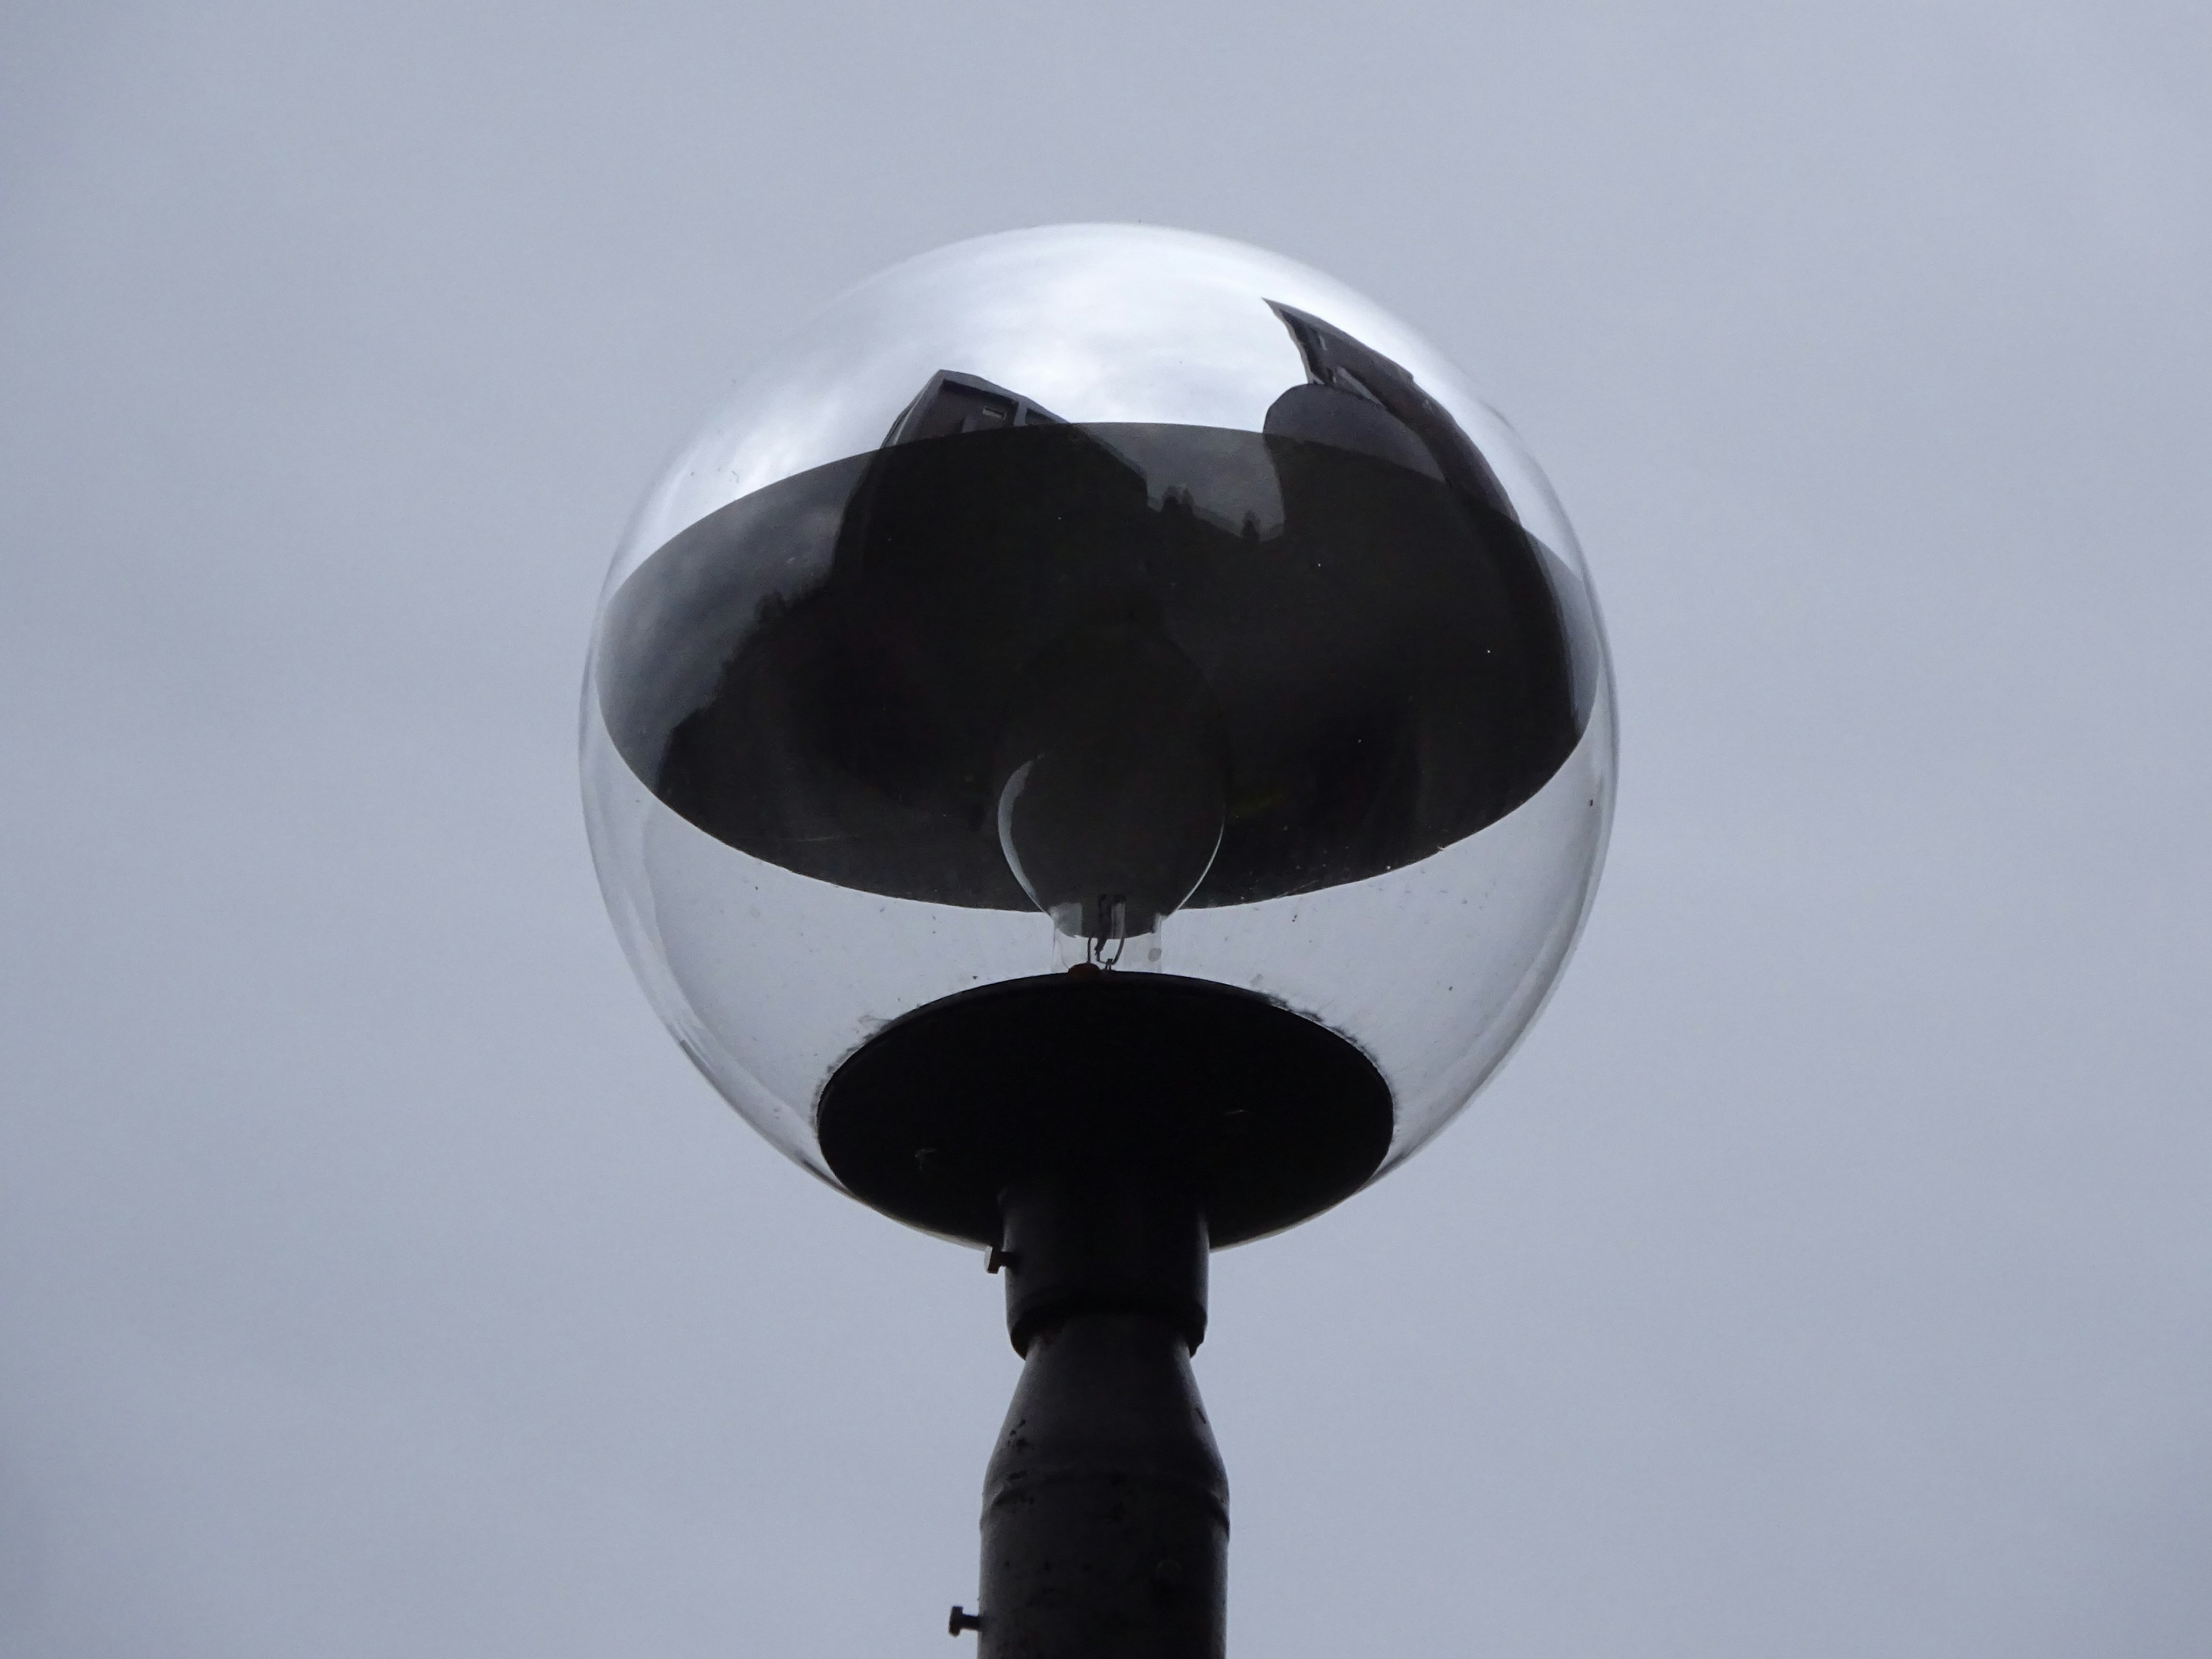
<point x="1105" y="1506"/>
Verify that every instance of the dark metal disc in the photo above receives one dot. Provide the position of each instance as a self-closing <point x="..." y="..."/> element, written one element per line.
<point x="1268" y="1117"/>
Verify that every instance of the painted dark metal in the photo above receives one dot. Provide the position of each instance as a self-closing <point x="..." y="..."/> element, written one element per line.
<point x="1105" y="1525"/>
<point x="1262" y="1117"/>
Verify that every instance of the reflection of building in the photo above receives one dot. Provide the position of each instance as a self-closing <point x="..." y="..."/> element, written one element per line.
<point x="953" y="404"/>
<point x="1354" y="398"/>
<point x="1357" y="399"/>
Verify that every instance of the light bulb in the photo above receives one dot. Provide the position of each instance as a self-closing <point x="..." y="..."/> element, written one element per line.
<point x="1116" y="785"/>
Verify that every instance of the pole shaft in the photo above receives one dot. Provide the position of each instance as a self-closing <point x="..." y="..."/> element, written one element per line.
<point x="1106" y="1506"/>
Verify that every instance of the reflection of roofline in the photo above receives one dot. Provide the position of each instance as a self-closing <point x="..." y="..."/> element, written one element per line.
<point x="949" y="388"/>
<point x="944" y="394"/>
<point x="1334" y="359"/>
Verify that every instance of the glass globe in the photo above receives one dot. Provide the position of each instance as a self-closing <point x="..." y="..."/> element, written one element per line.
<point x="1114" y="671"/>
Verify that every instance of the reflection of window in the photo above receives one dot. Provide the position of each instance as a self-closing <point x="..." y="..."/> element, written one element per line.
<point x="1357" y="399"/>
<point x="953" y="404"/>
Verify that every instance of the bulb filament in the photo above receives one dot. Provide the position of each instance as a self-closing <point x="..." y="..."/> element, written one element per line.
<point x="1109" y="931"/>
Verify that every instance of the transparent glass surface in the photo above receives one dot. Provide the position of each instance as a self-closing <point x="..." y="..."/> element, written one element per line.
<point x="1105" y="598"/>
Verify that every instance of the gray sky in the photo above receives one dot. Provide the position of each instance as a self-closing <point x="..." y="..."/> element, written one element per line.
<point x="1830" y="1274"/>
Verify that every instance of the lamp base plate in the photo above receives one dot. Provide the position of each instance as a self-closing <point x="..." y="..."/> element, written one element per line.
<point x="1266" y="1116"/>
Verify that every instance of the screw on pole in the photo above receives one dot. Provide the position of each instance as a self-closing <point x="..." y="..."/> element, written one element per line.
<point x="962" y="1619"/>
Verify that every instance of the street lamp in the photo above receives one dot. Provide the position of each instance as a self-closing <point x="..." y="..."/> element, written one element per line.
<point x="1098" y="751"/>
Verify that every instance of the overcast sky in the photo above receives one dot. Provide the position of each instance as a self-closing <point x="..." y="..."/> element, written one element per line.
<point x="1829" y="1274"/>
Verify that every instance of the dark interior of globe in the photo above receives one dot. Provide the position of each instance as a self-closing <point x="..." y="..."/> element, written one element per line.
<point x="822" y="673"/>
<point x="1311" y="654"/>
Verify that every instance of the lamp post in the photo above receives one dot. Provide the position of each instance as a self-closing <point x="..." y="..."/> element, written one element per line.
<point x="1098" y="751"/>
